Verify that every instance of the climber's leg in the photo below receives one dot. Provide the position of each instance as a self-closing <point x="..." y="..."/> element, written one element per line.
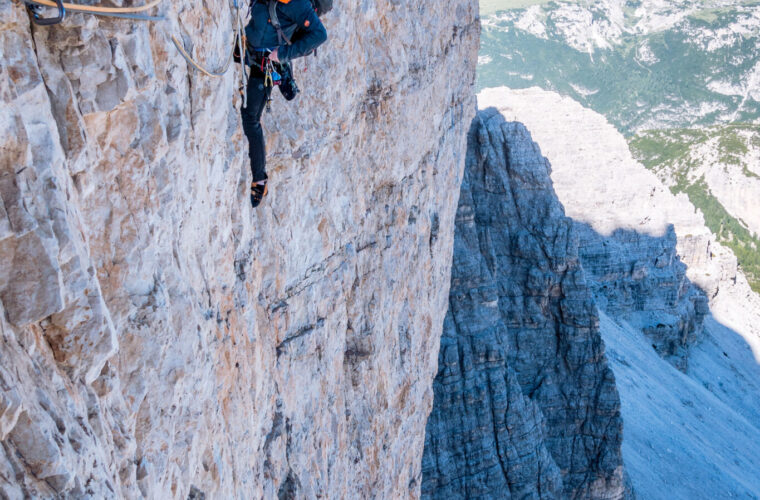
<point x="257" y="98"/>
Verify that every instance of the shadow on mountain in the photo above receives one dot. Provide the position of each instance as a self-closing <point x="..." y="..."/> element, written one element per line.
<point x="525" y="401"/>
<point x="639" y="278"/>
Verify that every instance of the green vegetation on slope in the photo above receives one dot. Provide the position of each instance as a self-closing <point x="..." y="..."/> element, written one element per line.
<point x="659" y="149"/>
<point x="639" y="81"/>
<point x="670" y="79"/>
<point x="672" y="148"/>
<point x="668" y="152"/>
<point x="730" y="231"/>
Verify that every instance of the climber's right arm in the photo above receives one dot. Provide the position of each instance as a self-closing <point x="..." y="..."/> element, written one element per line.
<point x="311" y="34"/>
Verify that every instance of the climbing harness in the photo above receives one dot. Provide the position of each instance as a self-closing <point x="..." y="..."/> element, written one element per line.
<point x="34" y="7"/>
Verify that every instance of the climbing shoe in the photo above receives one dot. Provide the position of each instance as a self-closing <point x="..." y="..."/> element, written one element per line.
<point x="258" y="192"/>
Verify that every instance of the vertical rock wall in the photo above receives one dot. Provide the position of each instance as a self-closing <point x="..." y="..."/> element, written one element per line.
<point x="525" y="402"/>
<point x="158" y="337"/>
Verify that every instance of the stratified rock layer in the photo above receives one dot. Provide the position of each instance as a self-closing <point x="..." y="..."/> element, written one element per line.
<point x="525" y="403"/>
<point x="160" y="338"/>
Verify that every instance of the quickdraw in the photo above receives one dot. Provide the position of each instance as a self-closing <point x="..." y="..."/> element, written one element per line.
<point x="271" y="79"/>
<point x="34" y="9"/>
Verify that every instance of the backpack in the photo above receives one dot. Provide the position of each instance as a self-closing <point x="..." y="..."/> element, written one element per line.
<point x="322" y="6"/>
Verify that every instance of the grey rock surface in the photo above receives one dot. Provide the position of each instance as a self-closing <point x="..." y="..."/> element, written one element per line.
<point x="160" y="339"/>
<point x="641" y="278"/>
<point x="525" y="403"/>
<point x="648" y="256"/>
<point x="687" y="377"/>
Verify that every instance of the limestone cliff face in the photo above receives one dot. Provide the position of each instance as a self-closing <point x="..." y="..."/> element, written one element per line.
<point x="160" y="338"/>
<point x="525" y="402"/>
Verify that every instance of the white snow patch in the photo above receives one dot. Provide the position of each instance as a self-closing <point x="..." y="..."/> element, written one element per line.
<point x="645" y="55"/>
<point x="522" y="76"/>
<point x="584" y="31"/>
<point x="484" y="60"/>
<point x="583" y="90"/>
<point x="531" y="22"/>
<point x="746" y="26"/>
<point x="500" y="22"/>
<point x="725" y="88"/>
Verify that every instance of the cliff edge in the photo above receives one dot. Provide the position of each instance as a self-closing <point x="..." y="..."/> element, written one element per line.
<point x="160" y="338"/>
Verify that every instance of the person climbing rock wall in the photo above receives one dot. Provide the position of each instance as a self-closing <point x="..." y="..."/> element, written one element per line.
<point x="278" y="32"/>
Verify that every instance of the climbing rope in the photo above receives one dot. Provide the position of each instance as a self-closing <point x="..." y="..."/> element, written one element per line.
<point x="242" y="49"/>
<point x="239" y="39"/>
<point x="97" y="10"/>
<point x="86" y="9"/>
<point x="197" y="66"/>
<point x="135" y="13"/>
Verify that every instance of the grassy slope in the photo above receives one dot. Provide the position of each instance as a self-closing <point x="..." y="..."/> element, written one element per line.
<point x="667" y="152"/>
<point x="633" y="95"/>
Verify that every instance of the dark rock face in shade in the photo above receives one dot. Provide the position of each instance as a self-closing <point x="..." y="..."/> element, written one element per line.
<point x="525" y="404"/>
<point x="641" y="279"/>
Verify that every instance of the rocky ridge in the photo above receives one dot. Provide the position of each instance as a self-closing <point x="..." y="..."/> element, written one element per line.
<point x="663" y="285"/>
<point x="666" y="256"/>
<point x="528" y="288"/>
<point x="525" y="402"/>
<point x="159" y="338"/>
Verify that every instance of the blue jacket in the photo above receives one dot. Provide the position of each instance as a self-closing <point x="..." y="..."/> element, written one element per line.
<point x="297" y="20"/>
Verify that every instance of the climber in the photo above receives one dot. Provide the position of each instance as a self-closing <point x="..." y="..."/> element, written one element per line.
<point x="278" y="32"/>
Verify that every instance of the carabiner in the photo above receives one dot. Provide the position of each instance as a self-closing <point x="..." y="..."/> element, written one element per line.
<point x="46" y="21"/>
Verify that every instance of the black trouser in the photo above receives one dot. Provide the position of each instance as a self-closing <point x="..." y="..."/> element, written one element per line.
<point x="257" y="99"/>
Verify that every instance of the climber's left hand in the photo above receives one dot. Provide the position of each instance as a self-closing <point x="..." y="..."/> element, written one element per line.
<point x="273" y="56"/>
